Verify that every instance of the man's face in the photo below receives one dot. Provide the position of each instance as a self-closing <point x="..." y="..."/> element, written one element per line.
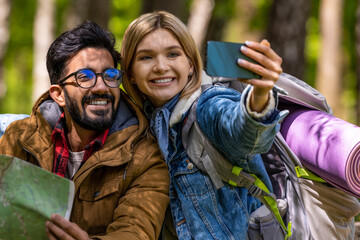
<point x="93" y="108"/>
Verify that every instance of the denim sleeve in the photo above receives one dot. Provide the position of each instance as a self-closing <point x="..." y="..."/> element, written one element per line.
<point x="222" y="116"/>
<point x="7" y="119"/>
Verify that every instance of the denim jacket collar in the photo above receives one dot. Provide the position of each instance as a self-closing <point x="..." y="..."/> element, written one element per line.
<point x="159" y="122"/>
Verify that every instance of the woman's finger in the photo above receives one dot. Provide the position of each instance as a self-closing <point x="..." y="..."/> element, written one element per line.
<point x="263" y="55"/>
<point x="260" y="70"/>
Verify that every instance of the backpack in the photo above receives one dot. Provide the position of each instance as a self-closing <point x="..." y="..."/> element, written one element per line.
<point x="304" y="205"/>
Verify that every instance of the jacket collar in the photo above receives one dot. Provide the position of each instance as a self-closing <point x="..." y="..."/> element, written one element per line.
<point x="184" y="104"/>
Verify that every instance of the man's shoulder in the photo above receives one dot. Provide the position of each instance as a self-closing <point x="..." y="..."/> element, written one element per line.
<point x="7" y="119"/>
<point x="9" y="141"/>
<point x="13" y="124"/>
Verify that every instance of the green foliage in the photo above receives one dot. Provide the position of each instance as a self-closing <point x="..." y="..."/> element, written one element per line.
<point x="349" y="98"/>
<point x="312" y="47"/>
<point x="259" y="20"/>
<point x="312" y="43"/>
<point x="123" y="13"/>
<point x="19" y="83"/>
<point x="61" y="8"/>
<point x="349" y="22"/>
<point x="18" y="63"/>
<point x="224" y="9"/>
<point x="18" y="59"/>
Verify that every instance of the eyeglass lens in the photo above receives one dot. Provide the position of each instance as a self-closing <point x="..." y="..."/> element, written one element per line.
<point x="86" y="78"/>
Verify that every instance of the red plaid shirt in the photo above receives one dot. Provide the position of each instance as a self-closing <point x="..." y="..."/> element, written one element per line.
<point x="62" y="147"/>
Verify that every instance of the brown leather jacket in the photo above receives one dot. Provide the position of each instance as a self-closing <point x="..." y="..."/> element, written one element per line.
<point x="121" y="192"/>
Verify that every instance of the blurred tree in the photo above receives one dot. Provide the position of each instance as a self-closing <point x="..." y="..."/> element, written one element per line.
<point x="329" y="68"/>
<point x="223" y="12"/>
<point x="43" y="35"/>
<point x="94" y="10"/>
<point x="122" y="14"/>
<point x="19" y="57"/>
<point x="286" y="32"/>
<point x="350" y="89"/>
<point x="312" y="43"/>
<point x="176" y="7"/>
<point x="5" y="34"/>
<point x="200" y="15"/>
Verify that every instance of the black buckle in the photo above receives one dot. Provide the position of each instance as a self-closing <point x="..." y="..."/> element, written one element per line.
<point x="255" y="191"/>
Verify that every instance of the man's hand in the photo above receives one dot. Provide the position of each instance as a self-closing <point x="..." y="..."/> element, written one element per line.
<point x="60" y="228"/>
<point x="269" y="68"/>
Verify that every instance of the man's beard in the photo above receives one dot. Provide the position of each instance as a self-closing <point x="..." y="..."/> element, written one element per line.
<point x="99" y="123"/>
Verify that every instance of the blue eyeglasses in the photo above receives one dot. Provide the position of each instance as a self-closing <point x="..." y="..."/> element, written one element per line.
<point x="86" y="78"/>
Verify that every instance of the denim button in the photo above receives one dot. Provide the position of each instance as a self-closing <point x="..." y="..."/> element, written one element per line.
<point x="96" y="194"/>
<point x="190" y="166"/>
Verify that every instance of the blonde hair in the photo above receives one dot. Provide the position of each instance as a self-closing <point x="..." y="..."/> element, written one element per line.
<point x="146" y="24"/>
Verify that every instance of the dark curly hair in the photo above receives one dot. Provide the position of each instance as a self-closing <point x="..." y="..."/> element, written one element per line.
<point x="69" y="43"/>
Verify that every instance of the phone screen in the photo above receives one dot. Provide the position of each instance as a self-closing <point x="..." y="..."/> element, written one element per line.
<point x="221" y="60"/>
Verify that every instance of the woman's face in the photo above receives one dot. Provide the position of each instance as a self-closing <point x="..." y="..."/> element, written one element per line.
<point x="160" y="67"/>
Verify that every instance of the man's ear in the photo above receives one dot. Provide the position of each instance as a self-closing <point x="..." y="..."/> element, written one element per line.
<point x="57" y="94"/>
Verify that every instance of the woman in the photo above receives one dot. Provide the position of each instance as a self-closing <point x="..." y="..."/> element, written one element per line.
<point x="163" y="76"/>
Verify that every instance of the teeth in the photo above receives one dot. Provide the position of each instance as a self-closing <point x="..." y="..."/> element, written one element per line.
<point x="98" y="102"/>
<point x="163" y="80"/>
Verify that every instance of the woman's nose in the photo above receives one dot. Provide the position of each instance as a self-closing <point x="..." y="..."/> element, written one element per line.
<point x="161" y="65"/>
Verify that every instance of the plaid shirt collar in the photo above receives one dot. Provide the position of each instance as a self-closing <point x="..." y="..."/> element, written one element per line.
<point x="61" y="157"/>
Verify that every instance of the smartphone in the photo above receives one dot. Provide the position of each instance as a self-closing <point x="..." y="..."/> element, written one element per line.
<point x="221" y="60"/>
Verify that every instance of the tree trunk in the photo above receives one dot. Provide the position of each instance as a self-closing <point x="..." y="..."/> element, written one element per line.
<point x="200" y="15"/>
<point x="4" y="39"/>
<point x="329" y="71"/>
<point x="97" y="11"/>
<point x="287" y="32"/>
<point x="357" y="33"/>
<point x="43" y="36"/>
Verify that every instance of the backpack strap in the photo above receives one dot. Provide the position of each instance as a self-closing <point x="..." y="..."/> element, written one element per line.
<point x="208" y="159"/>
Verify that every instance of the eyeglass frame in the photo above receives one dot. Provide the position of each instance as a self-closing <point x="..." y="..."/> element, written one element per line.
<point x="96" y="77"/>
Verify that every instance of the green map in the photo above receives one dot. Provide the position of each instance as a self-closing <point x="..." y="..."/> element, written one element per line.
<point x="28" y="196"/>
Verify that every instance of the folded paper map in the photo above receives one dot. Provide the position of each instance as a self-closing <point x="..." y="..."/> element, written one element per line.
<point x="28" y="197"/>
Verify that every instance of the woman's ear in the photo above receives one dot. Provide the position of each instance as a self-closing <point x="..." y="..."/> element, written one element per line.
<point x="191" y="71"/>
<point x="57" y="94"/>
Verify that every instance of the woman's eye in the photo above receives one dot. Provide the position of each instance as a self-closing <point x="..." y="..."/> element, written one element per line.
<point x="144" y="57"/>
<point x="173" y="54"/>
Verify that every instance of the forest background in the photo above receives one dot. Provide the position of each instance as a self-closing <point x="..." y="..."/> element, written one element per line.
<point x="319" y="40"/>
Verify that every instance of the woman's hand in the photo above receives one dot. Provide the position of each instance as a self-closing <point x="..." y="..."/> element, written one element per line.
<point x="268" y="67"/>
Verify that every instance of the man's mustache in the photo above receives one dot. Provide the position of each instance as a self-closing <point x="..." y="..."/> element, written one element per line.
<point x="97" y="96"/>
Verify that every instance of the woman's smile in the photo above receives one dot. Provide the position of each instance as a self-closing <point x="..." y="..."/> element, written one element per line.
<point x="161" y="68"/>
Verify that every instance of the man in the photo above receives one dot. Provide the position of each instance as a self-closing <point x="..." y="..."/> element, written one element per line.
<point x="85" y="129"/>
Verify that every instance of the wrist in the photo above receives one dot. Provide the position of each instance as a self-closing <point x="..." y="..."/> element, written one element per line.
<point x="268" y="107"/>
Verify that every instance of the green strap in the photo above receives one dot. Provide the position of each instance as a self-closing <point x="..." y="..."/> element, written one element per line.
<point x="235" y="170"/>
<point x="266" y="197"/>
<point x="304" y="173"/>
<point x="272" y="203"/>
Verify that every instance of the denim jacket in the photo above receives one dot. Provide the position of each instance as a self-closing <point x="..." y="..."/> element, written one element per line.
<point x="199" y="210"/>
<point x="7" y="119"/>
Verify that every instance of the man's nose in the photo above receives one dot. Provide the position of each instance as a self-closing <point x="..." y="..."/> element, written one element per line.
<point x="100" y="85"/>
